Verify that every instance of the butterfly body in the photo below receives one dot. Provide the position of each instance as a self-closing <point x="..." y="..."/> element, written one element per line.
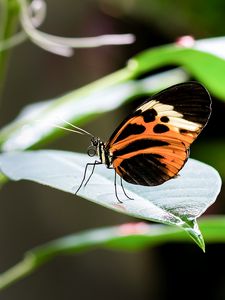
<point x="152" y="144"/>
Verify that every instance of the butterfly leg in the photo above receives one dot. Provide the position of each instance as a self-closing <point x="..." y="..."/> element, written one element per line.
<point x="124" y="191"/>
<point x="116" y="189"/>
<point x="92" y="171"/>
<point x="85" y="172"/>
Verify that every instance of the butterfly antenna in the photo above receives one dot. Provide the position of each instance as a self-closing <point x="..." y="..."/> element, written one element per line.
<point x="81" y="131"/>
<point x="68" y="129"/>
<point x="77" y="129"/>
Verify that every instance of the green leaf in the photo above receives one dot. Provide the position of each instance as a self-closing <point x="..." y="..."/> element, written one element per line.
<point x="35" y="122"/>
<point x="177" y="202"/>
<point x="131" y="236"/>
<point x="205" y="60"/>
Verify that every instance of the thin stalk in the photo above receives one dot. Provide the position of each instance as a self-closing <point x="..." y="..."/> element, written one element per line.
<point x="8" y="23"/>
<point x="18" y="271"/>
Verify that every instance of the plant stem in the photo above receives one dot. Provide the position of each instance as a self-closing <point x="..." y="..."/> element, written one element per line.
<point x="8" y="22"/>
<point x="20" y="270"/>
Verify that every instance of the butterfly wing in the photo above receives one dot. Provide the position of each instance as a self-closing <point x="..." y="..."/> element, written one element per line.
<point x="152" y="144"/>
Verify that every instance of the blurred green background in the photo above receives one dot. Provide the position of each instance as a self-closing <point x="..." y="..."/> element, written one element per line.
<point x="31" y="214"/>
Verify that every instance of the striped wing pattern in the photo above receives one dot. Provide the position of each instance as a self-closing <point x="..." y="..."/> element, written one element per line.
<point x="152" y="144"/>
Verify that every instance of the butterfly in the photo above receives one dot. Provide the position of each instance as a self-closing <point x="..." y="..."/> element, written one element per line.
<point x="152" y="144"/>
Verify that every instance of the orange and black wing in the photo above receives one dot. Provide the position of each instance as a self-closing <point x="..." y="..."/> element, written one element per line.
<point x="152" y="144"/>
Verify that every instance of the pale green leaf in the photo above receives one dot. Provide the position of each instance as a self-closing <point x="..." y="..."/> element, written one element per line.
<point x="177" y="202"/>
<point x="35" y="122"/>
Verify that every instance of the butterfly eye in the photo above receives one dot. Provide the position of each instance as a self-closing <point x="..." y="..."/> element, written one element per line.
<point x="91" y="151"/>
<point x="94" y="141"/>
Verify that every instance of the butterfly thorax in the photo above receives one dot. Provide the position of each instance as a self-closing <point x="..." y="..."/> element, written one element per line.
<point x="98" y="148"/>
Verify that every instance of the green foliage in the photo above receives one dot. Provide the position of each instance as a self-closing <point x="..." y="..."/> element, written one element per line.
<point x="179" y="202"/>
<point x="126" y="237"/>
<point x="35" y="124"/>
<point x="201" y="60"/>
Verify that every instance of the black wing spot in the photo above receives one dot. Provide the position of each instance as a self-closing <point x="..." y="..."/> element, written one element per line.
<point x="164" y="119"/>
<point x="183" y="131"/>
<point x="129" y="130"/>
<point x="139" y="145"/>
<point x="160" y="128"/>
<point x="149" y="115"/>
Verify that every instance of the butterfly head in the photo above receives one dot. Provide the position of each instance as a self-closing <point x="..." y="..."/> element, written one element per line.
<point x="93" y="149"/>
<point x="98" y="148"/>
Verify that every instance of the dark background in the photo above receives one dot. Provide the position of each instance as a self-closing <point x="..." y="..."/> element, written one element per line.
<point x="31" y="214"/>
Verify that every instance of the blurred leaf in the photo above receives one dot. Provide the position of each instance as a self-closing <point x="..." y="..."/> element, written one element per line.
<point x="35" y="123"/>
<point x="131" y="236"/>
<point x="177" y="202"/>
<point x="205" y="60"/>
